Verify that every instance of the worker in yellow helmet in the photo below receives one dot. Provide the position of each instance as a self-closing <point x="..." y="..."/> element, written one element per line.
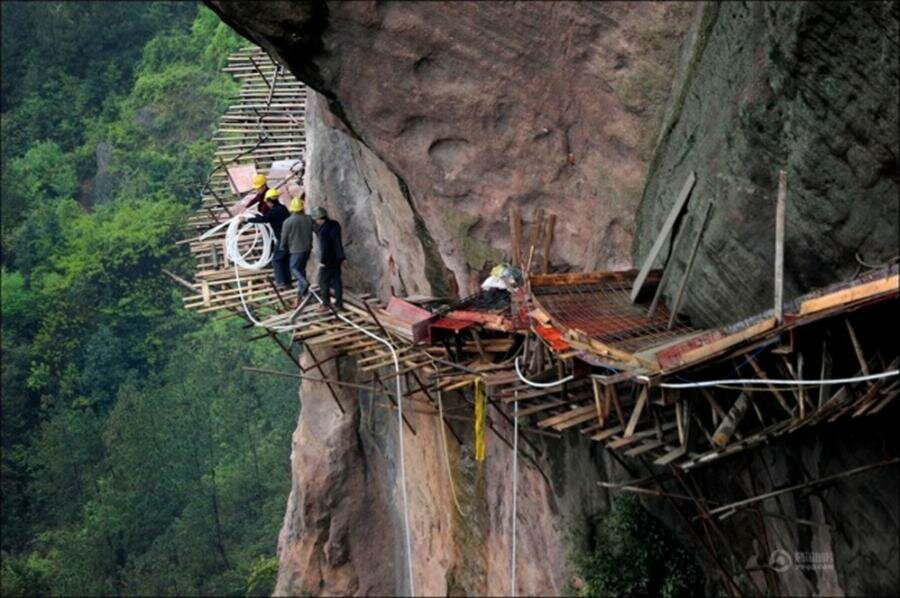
<point x="261" y="187"/>
<point x="275" y="216"/>
<point x="296" y="238"/>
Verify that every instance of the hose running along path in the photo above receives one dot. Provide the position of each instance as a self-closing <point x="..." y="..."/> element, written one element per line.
<point x="399" y="390"/>
<point x="768" y="382"/>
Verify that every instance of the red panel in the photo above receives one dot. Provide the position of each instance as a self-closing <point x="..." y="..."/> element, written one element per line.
<point x="553" y="337"/>
<point x="671" y="356"/>
<point x="451" y="324"/>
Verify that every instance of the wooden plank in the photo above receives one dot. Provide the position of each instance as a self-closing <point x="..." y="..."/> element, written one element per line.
<point x="596" y="387"/>
<point x="536" y="227"/>
<point x="726" y="342"/>
<point x="541" y="407"/>
<point x="663" y="235"/>
<point x="562" y="417"/>
<point x="779" y="247"/>
<point x="676" y="304"/>
<point x="204" y="287"/>
<point x="671" y="456"/>
<point x="646" y="447"/>
<point x="515" y="232"/>
<point x="636" y="412"/>
<point x="570" y="278"/>
<point x="608" y="351"/>
<point x="548" y="241"/>
<point x="667" y="270"/>
<point x="637" y="436"/>
<point x="849" y="295"/>
<point x="731" y="421"/>
<point x="580" y="419"/>
<point x="613" y="394"/>
<point x="857" y="349"/>
<point x="762" y="375"/>
<point x="600" y="437"/>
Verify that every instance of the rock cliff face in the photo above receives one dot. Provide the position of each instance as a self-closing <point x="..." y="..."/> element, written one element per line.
<point x="432" y="119"/>
<point x="343" y="532"/>
<point x="476" y="107"/>
<point x="811" y="88"/>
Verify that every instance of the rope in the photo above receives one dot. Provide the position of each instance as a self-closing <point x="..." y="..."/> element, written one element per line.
<point x="756" y="381"/>
<point x="540" y="384"/>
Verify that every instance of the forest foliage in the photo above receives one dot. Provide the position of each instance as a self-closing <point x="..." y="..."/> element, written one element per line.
<point x="137" y="456"/>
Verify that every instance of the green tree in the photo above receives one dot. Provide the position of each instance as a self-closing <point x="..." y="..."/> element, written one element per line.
<point x="136" y="456"/>
<point x="636" y="555"/>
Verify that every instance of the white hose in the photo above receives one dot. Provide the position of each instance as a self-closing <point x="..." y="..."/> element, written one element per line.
<point x="264" y="233"/>
<point x="540" y="384"/>
<point x="393" y="350"/>
<point x="765" y="382"/>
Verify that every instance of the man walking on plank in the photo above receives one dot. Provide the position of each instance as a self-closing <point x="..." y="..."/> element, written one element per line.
<point x="296" y="237"/>
<point x="331" y="255"/>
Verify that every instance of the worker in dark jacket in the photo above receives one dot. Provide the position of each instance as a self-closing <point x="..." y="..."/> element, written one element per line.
<point x="261" y="187"/>
<point x="331" y="255"/>
<point x="274" y="216"/>
<point x="296" y="238"/>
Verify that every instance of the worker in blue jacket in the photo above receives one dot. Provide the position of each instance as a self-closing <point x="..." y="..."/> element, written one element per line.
<point x="331" y="255"/>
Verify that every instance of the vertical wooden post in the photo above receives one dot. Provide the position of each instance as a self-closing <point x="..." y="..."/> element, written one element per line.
<point x="663" y="235"/>
<point x="676" y="303"/>
<point x="515" y="231"/>
<point x="779" y="246"/>
<point x="536" y="229"/>
<point x="548" y="240"/>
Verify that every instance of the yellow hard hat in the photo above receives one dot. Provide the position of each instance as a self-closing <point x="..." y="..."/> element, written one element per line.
<point x="296" y="205"/>
<point x="272" y="194"/>
<point x="258" y="181"/>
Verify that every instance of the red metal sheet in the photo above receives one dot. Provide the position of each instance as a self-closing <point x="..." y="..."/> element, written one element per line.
<point x="406" y="311"/>
<point x="415" y="317"/>
<point x="553" y="337"/>
<point x="452" y="324"/>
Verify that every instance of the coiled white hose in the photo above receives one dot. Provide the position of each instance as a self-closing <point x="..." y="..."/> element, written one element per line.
<point x="262" y="232"/>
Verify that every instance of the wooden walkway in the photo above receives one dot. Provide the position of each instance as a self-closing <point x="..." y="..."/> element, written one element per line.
<point x="264" y="125"/>
<point x="616" y="356"/>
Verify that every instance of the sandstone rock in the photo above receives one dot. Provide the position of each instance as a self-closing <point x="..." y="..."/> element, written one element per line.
<point x="808" y="87"/>
<point x="440" y="116"/>
<point x="480" y="106"/>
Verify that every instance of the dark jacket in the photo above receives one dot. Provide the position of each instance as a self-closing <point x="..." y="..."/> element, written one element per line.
<point x="296" y="235"/>
<point x="331" y="249"/>
<point x="275" y="216"/>
<point x="259" y="199"/>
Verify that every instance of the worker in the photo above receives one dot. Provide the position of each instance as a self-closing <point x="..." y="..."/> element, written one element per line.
<point x="296" y="239"/>
<point x="260" y="185"/>
<point x="331" y="255"/>
<point x="274" y="216"/>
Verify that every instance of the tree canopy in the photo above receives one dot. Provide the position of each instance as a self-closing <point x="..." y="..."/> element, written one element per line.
<point x="137" y="456"/>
